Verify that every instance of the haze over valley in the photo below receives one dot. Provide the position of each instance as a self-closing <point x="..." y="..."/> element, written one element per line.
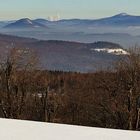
<point x="123" y="29"/>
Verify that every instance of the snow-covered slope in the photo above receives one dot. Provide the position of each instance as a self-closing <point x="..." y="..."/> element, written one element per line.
<point x="25" y="130"/>
<point x="24" y="23"/>
<point x="116" y="51"/>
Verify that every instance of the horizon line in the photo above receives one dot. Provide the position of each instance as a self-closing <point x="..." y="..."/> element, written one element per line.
<point x="74" y="18"/>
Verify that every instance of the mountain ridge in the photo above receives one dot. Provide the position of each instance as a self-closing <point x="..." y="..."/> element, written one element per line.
<point x="25" y="23"/>
<point x="122" y="19"/>
<point x="66" y="55"/>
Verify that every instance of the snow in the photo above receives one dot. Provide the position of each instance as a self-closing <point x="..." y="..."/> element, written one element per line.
<point x="123" y="14"/>
<point x="117" y="51"/>
<point x="30" y="22"/>
<point x="26" y="130"/>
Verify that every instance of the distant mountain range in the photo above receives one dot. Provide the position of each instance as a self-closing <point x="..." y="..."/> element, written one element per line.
<point x="25" y="23"/>
<point x="122" y="19"/>
<point x="68" y="56"/>
<point x="122" y="28"/>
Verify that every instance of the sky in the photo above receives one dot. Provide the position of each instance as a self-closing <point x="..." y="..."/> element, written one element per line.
<point x="85" y="9"/>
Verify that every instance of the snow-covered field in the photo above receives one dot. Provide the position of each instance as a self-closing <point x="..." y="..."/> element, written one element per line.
<point x="26" y="130"/>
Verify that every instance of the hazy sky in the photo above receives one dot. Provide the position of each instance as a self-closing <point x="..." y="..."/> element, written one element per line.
<point x="14" y="9"/>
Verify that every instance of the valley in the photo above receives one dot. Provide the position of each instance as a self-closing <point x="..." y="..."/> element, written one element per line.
<point x="123" y="29"/>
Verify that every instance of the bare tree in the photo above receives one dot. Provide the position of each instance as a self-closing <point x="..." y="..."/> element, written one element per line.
<point x="15" y="67"/>
<point x="128" y="76"/>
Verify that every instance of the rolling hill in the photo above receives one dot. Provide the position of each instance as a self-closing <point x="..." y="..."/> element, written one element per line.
<point x="68" y="56"/>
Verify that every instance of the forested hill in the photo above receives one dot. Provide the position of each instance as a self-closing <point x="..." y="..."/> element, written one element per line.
<point x="67" y="56"/>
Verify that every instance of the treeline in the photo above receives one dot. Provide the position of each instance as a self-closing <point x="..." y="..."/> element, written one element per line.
<point x="108" y="99"/>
